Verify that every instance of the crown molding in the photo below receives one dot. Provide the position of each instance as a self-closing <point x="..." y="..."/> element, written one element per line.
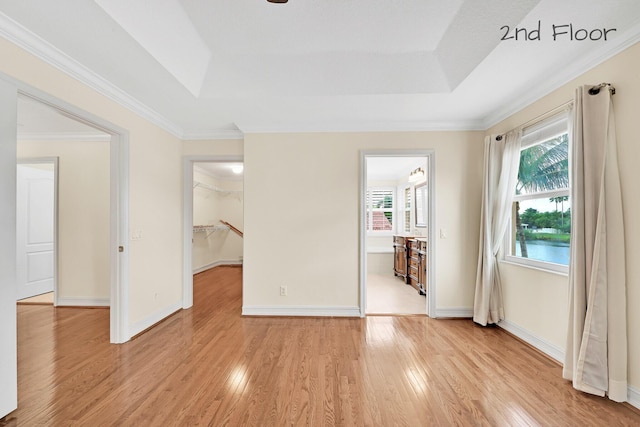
<point x="547" y="84"/>
<point x="63" y="136"/>
<point x="408" y="126"/>
<point x="45" y="51"/>
<point x="213" y="134"/>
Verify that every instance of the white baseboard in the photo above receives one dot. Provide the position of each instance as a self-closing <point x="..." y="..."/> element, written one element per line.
<point x="83" y="302"/>
<point x="633" y="396"/>
<point x="216" y="264"/>
<point x="151" y="320"/>
<point x="544" y="346"/>
<point x="290" y="310"/>
<point x="380" y="250"/>
<point x="555" y="352"/>
<point x="454" y="312"/>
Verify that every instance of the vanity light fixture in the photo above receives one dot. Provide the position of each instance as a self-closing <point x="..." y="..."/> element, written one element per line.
<point x="416" y="175"/>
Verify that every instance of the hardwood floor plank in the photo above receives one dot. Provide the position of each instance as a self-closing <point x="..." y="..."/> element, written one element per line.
<point x="211" y="366"/>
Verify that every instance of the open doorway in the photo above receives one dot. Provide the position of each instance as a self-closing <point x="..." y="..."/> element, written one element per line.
<point x="89" y="264"/>
<point x="78" y="233"/>
<point x="36" y="230"/>
<point x="213" y="216"/>
<point x="396" y="244"/>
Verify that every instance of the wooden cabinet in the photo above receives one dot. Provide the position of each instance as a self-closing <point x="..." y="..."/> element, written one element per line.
<point x="417" y="264"/>
<point x="400" y="252"/>
<point x="410" y="261"/>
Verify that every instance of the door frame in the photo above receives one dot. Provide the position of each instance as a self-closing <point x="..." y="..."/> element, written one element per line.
<point x="429" y="155"/>
<point x="187" y="210"/>
<point x="54" y="161"/>
<point x="119" y="331"/>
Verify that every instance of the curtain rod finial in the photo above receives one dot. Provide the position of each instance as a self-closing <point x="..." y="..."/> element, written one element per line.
<point x="596" y="89"/>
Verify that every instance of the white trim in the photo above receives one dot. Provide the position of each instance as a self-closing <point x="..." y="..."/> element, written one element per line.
<point x="557" y="353"/>
<point x="454" y="313"/>
<point x="292" y="310"/>
<point x="83" y="302"/>
<point x="119" y="202"/>
<point x="45" y="51"/>
<point x="217" y="264"/>
<point x="558" y="78"/>
<point x="429" y="155"/>
<point x="544" y="346"/>
<point x="187" y="215"/>
<point x="154" y="318"/>
<point x="64" y="136"/>
<point x="633" y="396"/>
<point x="212" y="134"/>
<point x="381" y="126"/>
<point x="549" y="267"/>
<point x="379" y="250"/>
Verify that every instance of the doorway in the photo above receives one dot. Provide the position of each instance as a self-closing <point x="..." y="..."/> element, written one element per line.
<point x="397" y="196"/>
<point x="95" y="172"/>
<point x="36" y="229"/>
<point x="213" y="216"/>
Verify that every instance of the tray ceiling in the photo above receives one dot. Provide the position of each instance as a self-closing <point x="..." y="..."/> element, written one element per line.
<point x="201" y="69"/>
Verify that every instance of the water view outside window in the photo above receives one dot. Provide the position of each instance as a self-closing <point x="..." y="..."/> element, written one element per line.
<point x="546" y="228"/>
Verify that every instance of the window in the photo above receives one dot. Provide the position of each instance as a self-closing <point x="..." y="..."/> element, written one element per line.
<point x="407" y="209"/>
<point x="380" y="206"/>
<point x="541" y="214"/>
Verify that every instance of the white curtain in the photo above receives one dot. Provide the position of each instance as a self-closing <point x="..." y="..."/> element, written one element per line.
<point x="596" y="354"/>
<point x="501" y="161"/>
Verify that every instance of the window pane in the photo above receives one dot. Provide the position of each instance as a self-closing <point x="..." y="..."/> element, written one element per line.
<point x="544" y="166"/>
<point x="542" y="229"/>
<point x="379" y="214"/>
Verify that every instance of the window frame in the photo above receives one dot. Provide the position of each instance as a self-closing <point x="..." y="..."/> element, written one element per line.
<point x="510" y="235"/>
<point x="407" y="202"/>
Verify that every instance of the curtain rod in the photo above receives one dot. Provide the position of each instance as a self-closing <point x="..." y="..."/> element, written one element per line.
<point x="542" y="117"/>
<point x="594" y="90"/>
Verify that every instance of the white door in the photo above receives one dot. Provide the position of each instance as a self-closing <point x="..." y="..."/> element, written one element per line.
<point x="8" y="338"/>
<point x="35" y="204"/>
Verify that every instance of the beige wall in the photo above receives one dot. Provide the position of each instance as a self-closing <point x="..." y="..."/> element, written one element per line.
<point x="537" y="301"/>
<point x="83" y="215"/>
<point x="155" y="187"/>
<point x="209" y="208"/>
<point x="219" y="147"/>
<point x="302" y="217"/>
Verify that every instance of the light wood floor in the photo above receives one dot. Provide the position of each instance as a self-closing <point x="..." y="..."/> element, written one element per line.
<point x="210" y="366"/>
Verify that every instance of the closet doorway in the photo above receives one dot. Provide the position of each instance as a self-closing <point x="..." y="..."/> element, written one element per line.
<point x="213" y="216"/>
<point x="397" y="245"/>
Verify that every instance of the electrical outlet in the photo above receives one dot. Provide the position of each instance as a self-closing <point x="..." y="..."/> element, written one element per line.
<point x="443" y="233"/>
<point x="283" y="291"/>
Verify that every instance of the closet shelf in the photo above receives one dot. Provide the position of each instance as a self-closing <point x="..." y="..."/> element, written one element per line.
<point x="198" y="184"/>
<point x="210" y="229"/>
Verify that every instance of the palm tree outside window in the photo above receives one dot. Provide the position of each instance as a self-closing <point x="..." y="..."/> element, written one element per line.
<point x="541" y="213"/>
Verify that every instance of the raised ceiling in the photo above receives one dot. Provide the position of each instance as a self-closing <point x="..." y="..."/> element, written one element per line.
<point x="203" y="69"/>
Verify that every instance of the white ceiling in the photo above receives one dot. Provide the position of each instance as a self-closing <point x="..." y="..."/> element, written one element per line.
<point x="203" y="69"/>
<point x="223" y="171"/>
<point x="393" y="168"/>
